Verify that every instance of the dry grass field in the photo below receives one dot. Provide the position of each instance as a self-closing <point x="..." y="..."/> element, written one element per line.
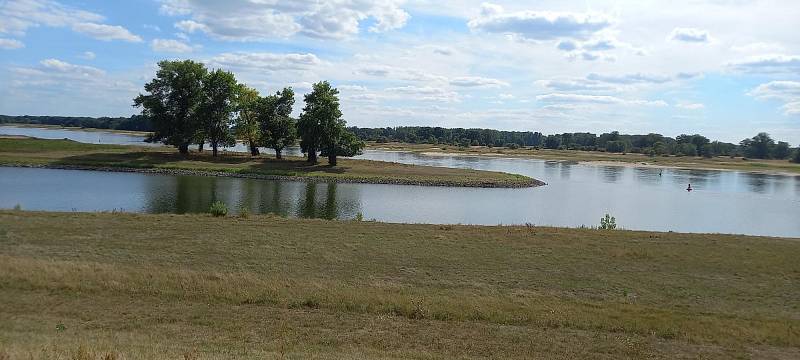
<point x="134" y="286"/>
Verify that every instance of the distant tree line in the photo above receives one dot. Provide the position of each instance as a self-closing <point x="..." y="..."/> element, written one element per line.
<point x="761" y="146"/>
<point x="188" y="104"/>
<point x="133" y="123"/>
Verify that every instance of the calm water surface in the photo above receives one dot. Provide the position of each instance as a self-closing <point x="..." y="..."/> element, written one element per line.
<point x="577" y="194"/>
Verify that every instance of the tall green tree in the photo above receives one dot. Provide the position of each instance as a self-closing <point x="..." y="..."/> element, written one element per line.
<point x="278" y="128"/>
<point x="758" y="147"/>
<point x="320" y="123"/>
<point x="796" y="157"/>
<point x="217" y="108"/>
<point x="247" y="125"/>
<point x="781" y="150"/>
<point x="173" y="101"/>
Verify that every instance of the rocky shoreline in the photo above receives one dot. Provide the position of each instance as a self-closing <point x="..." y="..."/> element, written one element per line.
<point x="318" y="179"/>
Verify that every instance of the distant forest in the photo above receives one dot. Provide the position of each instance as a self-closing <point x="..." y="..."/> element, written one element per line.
<point x="761" y="146"/>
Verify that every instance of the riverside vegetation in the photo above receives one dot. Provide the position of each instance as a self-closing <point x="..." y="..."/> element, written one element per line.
<point x="88" y="285"/>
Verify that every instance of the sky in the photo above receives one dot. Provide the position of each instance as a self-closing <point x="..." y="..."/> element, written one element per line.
<point x="727" y="69"/>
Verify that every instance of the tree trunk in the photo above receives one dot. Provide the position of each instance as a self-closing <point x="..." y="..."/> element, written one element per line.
<point x="312" y="156"/>
<point x="332" y="160"/>
<point x="214" y="147"/>
<point x="183" y="149"/>
<point x="200" y="147"/>
<point x="278" y="153"/>
<point x="253" y="149"/>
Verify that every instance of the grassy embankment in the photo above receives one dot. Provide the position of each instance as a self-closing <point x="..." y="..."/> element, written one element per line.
<point x="165" y="286"/>
<point x="17" y="151"/>
<point x="684" y="162"/>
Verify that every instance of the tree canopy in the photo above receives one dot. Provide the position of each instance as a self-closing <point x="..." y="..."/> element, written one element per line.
<point x="172" y="102"/>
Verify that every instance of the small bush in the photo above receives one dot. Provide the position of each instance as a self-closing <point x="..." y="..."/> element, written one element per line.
<point x="244" y="212"/>
<point x="608" y="222"/>
<point x="359" y="216"/>
<point x="17" y="207"/>
<point x="218" y="208"/>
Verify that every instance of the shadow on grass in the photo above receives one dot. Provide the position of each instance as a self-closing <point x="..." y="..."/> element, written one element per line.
<point x="191" y="161"/>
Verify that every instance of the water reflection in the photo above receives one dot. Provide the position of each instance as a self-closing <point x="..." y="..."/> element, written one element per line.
<point x="188" y="194"/>
<point x="611" y="174"/>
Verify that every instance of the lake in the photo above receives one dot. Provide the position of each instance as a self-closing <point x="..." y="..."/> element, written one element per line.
<point x="577" y="194"/>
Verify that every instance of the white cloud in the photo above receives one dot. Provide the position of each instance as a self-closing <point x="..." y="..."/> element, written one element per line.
<point x="88" y="55"/>
<point x="563" y="98"/>
<point x="266" y="20"/>
<point x="758" y="47"/>
<point x="574" y="84"/>
<point x="425" y="93"/>
<point x="475" y="81"/>
<point x="11" y="44"/>
<point x="106" y="32"/>
<point x="692" y="106"/>
<point x="190" y="26"/>
<point x="766" y="64"/>
<point x="55" y="86"/>
<point x="265" y="61"/>
<point x="786" y="91"/>
<point x="690" y="35"/>
<point x="171" y="46"/>
<point x="19" y="15"/>
<point x="636" y="78"/>
<point x="398" y="73"/>
<point x="538" y="25"/>
<point x="70" y="70"/>
<point x="353" y="88"/>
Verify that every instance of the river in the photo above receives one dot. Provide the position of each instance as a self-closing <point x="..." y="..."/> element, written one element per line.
<point x="577" y="194"/>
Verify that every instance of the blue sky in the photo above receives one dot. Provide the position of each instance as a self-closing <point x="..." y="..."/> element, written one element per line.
<point x="724" y="68"/>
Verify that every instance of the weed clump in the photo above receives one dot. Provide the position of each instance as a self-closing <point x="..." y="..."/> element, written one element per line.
<point x="218" y="208"/>
<point x="608" y="222"/>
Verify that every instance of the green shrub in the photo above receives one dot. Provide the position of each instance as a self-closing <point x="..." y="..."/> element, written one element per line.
<point x="218" y="208"/>
<point x="17" y="207"/>
<point x="608" y="222"/>
<point x="244" y="212"/>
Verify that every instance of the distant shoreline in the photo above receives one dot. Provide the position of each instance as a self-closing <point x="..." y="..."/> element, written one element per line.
<point x="75" y="128"/>
<point x="755" y="166"/>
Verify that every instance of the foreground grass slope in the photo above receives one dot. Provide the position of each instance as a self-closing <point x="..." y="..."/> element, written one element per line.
<point x="686" y="162"/>
<point x="65" y="153"/>
<point x="167" y="286"/>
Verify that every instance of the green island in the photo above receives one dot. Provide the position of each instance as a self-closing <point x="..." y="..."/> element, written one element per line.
<point x="774" y="166"/>
<point x="22" y="151"/>
<point x="94" y="285"/>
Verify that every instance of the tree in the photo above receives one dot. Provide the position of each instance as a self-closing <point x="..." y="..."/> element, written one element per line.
<point x="172" y="102"/>
<point x="552" y="142"/>
<point x="796" y="158"/>
<point x="320" y="125"/>
<point x="217" y="107"/>
<point x="247" y="125"/>
<point x="758" y="147"/>
<point x="348" y="145"/>
<point x="278" y="129"/>
<point x="781" y="150"/>
<point x="686" y="149"/>
<point x="616" y="146"/>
